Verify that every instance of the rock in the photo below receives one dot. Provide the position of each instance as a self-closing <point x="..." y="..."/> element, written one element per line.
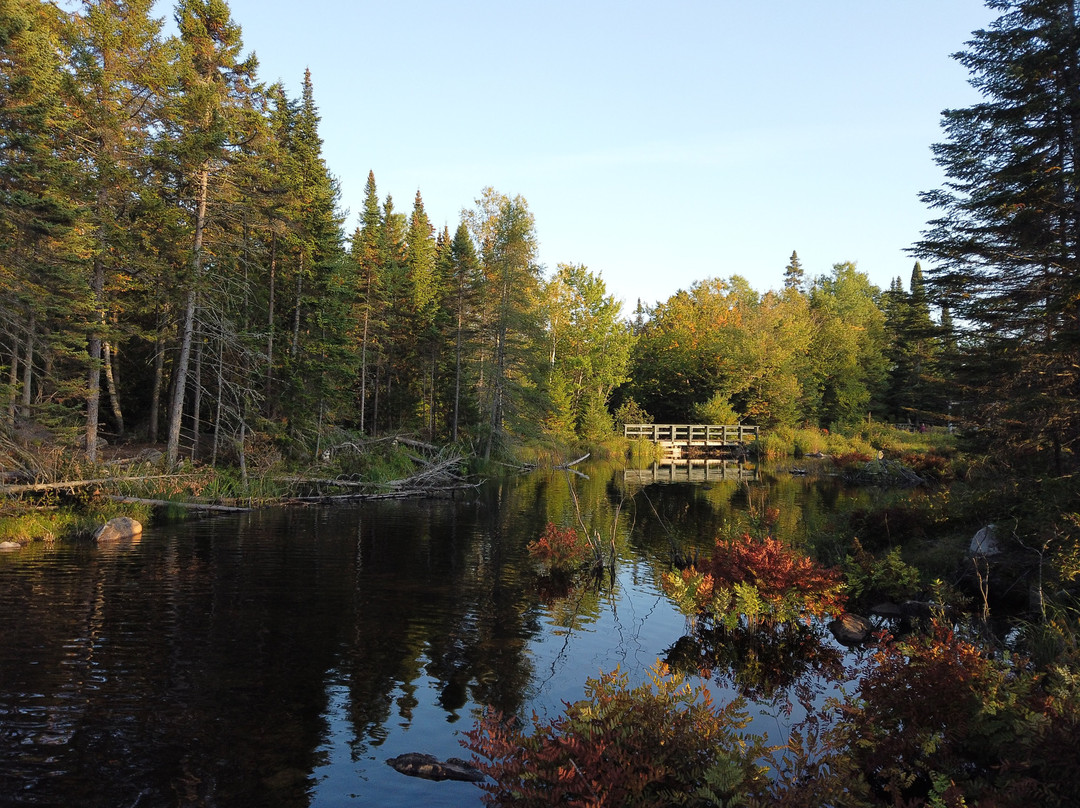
<point x="887" y="609"/>
<point x="985" y="543"/>
<point x="430" y="767"/>
<point x="121" y="527"/>
<point x="10" y="545"/>
<point x="851" y="629"/>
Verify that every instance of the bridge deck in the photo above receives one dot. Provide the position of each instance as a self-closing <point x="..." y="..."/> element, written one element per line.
<point x="676" y="437"/>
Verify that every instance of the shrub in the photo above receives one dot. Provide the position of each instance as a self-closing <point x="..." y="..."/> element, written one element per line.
<point x="936" y="714"/>
<point x="759" y="581"/>
<point x="660" y="744"/>
<point x="560" y="548"/>
<point x="871" y="579"/>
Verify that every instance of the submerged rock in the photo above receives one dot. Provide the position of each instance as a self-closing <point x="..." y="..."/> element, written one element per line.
<point x="430" y="767"/>
<point x="121" y="527"/>
<point x="851" y="629"/>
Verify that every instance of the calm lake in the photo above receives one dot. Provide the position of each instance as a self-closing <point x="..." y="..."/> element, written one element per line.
<point x="280" y="657"/>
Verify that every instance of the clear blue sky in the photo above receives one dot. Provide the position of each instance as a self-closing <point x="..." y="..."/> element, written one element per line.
<point x="656" y="143"/>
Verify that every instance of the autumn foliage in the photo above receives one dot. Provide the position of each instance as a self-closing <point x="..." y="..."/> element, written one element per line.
<point x="662" y="743"/>
<point x="560" y="548"/>
<point x="757" y="581"/>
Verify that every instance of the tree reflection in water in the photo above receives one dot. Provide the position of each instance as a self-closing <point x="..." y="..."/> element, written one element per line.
<point x="762" y="663"/>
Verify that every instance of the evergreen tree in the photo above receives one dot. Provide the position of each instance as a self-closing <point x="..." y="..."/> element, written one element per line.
<point x="39" y="175"/>
<point x="213" y="86"/>
<point x="321" y="299"/>
<point x="464" y="281"/>
<point x="367" y="258"/>
<point x="425" y="289"/>
<point x="122" y="71"/>
<point x="794" y="276"/>
<point x="1006" y="243"/>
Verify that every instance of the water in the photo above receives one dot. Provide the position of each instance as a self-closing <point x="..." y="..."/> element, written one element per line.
<point x="278" y="658"/>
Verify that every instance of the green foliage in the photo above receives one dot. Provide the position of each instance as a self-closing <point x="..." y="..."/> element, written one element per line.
<point x="871" y="579"/>
<point x="630" y="412"/>
<point x="73" y="518"/>
<point x="716" y="410"/>
<point x="659" y="744"/>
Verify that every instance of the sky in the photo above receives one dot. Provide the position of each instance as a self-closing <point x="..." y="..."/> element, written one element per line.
<point x="657" y="143"/>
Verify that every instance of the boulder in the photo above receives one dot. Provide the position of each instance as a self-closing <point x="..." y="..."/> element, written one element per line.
<point x="851" y="629"/>
<point x="120" y="527"/>
<point x="430" y="767"/>
<point x="10" y="545"/>
<point x="985" y="543"/>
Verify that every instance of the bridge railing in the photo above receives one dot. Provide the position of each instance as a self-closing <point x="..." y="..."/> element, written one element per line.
<point x="720" y="434"/>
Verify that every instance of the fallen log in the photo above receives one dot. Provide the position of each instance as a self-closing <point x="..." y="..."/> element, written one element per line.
<point x="195" y="506"/>
<point x="430" y="767"/>
<point x="332" y="481"/>
<point x="401" y="493"/>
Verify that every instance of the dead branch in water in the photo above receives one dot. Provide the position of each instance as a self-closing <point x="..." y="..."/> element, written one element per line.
<point x="195" y="506"/>
<point x="433" y="478"/>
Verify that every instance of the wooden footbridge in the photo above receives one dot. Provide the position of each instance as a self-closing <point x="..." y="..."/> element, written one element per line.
<point x="696" y="440"/>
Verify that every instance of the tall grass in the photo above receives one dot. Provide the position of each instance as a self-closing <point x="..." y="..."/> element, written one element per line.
<point x="867" y="440"/>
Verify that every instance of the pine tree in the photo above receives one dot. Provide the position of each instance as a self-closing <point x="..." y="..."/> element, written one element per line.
<point x="425" y="289"/>
<point x="321" y="301"/>
<point x="794" y="276"/>
<point x="39" y="210"/>
<point x="464" y="282"/>
<point x="1006" y="243"/>
<point x="122" y="72"/>
<point x="214" y="83"/>
<point x="367" y="258"/>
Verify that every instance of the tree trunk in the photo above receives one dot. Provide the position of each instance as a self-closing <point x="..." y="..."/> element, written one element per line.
<point x="159" y="377"/>
<point x="93" y="389"/>
<point x="363" y="371"/>
<point x="13" y="383"/>
<point x="296" y="314"/>
<point x="270" y="320"/>
<point x="176" y="406"/>
<point x="113" y="384"/>
<point x="196" y="406"/>
<point x="457" y="376"/>
<point x="217" y="406"/>
<point x="28" y="366"/>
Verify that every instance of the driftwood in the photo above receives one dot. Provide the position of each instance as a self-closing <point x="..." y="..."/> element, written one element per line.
<point x="433" y="478"/>
<point x="574" y="462"/>
<point x="194" y="506"/>
<point x="430" y="767"/>
<point x="401" y="493"/>
<point x="330" y="481"/>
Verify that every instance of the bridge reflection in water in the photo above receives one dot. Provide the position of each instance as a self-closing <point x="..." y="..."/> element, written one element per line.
<point x="691" y="470"/>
